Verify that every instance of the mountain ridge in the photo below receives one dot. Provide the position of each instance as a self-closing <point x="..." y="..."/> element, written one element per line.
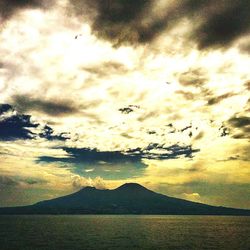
<point x="129" y="198"/>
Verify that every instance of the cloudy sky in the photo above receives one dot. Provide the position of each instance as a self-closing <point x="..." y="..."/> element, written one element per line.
<point x="103" y="92"/>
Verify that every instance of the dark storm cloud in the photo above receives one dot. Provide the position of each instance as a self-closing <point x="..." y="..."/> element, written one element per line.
<point x="119" y="21"/>
<point x="126" y="22"/>
<point x="224" y="22"/>
<point x="215" y="23"/>
<point x="87" y="155"/>
<point x="134" y="156"/>
<point x="17" y="126"/>
<point x="165" y="153"/>
<point x="93" y="163"/>
<point x="24" y="103"/>
<point x="9" y="7"/>
<point x="48" y="134"/>
<point x="115" y="164"/>
<point x="5" y="108"/>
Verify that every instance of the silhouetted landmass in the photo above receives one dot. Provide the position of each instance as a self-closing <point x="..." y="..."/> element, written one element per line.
<point x="129" y="198"/>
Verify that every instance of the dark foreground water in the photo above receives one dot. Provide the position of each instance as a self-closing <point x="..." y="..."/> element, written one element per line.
<point x="124" y="232"/>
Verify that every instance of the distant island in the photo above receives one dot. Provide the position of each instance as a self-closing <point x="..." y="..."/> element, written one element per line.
<point x="130" y="198"/>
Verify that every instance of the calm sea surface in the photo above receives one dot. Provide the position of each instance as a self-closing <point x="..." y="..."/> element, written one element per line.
<point x="124" y="232"/>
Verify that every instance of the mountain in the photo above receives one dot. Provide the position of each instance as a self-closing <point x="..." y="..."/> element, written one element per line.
<point x="130" y="198"/>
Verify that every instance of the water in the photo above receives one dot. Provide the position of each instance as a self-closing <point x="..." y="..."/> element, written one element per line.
<point x="124" y="232"/>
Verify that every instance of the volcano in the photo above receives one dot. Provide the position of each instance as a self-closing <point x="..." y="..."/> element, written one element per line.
<point x="130" y="198"/>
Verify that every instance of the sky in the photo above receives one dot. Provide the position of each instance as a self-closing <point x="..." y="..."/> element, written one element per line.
<point x="101" y="93"/>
